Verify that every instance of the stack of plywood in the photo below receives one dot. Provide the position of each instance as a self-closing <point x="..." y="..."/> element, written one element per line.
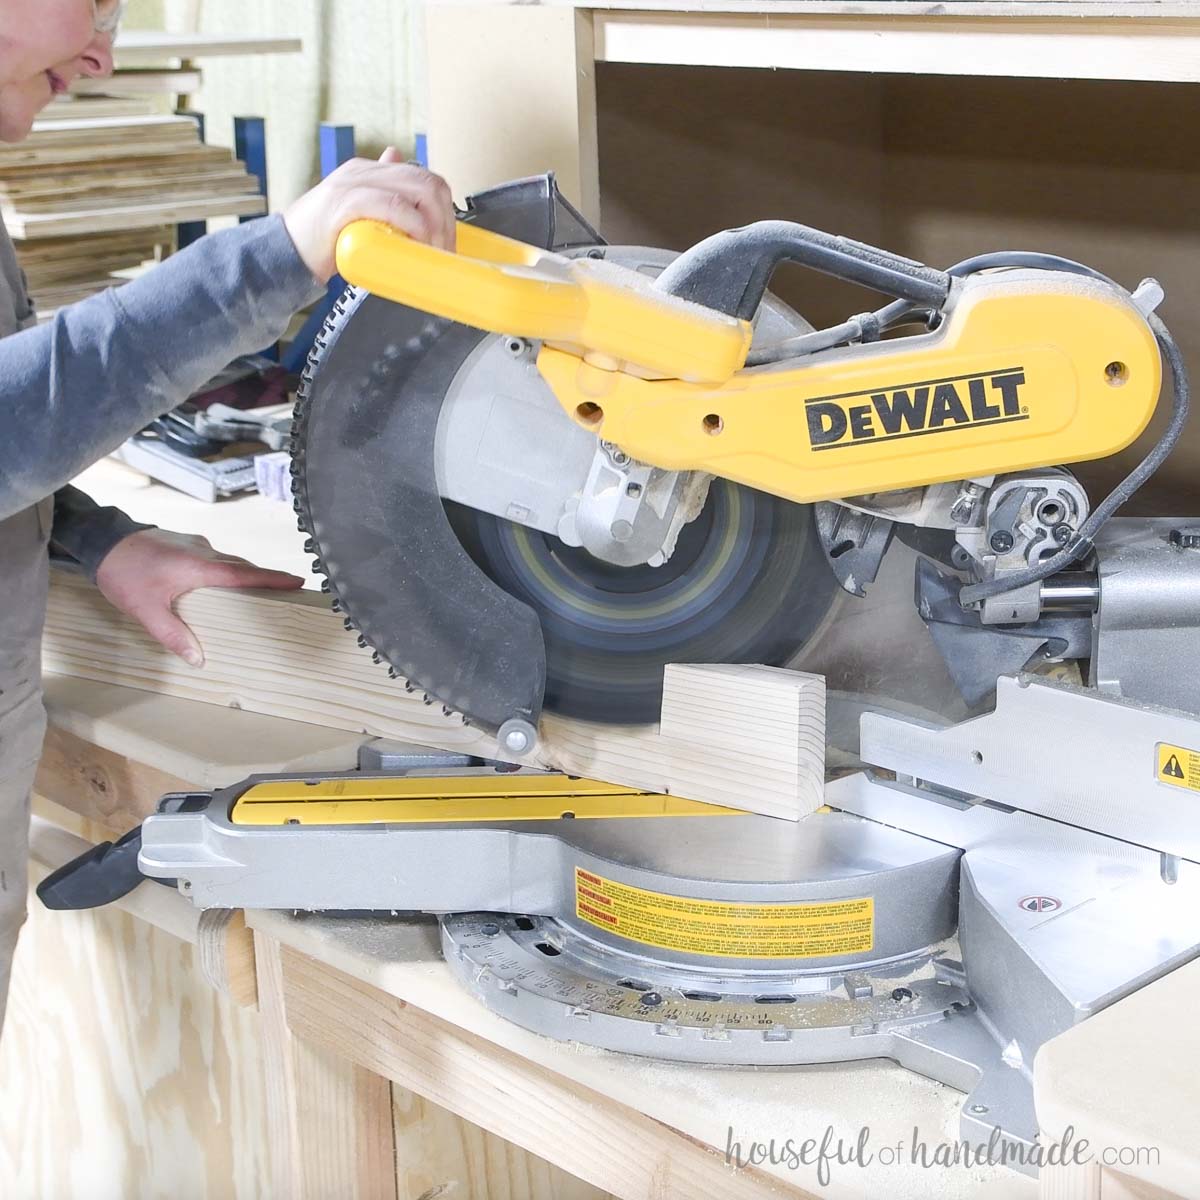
<point x="95" y="189"/>
<point x="63" y="270"/>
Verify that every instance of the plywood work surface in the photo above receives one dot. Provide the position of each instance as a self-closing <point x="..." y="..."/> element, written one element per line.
<point x="125" y="1074"/>
<point x="401" y="959"/>
<point x="1126" y="1078"/>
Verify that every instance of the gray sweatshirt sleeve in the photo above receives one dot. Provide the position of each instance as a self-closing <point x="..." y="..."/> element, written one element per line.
<point x="73" y="389"/>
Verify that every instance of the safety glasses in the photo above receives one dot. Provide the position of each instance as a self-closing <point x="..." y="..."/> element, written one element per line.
<point x="107" y="14"/>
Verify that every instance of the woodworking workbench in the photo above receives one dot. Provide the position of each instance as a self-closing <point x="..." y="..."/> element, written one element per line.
<point x="355" y="1017"/>
<point x="364" y="1051"/>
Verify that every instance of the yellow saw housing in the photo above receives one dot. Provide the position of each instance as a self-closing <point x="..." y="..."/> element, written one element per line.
<point x="1028" y="368"/>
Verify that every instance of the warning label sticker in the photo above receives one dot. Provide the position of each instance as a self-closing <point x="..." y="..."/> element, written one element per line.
<point x="716" y="927"/>
<point x="1178" y="766"/>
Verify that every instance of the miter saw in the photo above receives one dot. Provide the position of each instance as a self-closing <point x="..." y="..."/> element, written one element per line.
<point x="537" y="470"/>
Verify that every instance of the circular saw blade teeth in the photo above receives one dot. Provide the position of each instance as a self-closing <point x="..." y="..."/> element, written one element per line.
<point x="382" y="360"/>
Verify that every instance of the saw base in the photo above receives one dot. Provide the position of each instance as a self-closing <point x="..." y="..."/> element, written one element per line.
<point x="548" y="978"/>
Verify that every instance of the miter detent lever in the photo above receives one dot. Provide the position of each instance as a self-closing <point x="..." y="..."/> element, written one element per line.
<point x="99" y="876"/>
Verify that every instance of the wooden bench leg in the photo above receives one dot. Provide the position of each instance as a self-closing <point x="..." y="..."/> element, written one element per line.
<point x="330" y="1121"/>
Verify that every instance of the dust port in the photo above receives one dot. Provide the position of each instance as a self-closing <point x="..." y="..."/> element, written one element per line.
<point x="589" y="413"/>
<point x="1116" y="373"/>
<point x="713" y="424"/>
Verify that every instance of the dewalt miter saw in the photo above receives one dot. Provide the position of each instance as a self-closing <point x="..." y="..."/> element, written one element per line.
<point x="650" y="460"/>
<point x="537" y="470"/>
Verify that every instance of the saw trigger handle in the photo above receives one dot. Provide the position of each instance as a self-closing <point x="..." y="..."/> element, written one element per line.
<point x="612" y="316"/>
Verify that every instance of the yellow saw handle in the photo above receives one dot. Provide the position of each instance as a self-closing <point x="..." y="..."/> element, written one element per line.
<point x="612" y="316"/>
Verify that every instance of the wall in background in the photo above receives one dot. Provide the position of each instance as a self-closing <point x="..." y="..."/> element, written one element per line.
<point x="936" y="168"/>
<point x="361" y="65"/>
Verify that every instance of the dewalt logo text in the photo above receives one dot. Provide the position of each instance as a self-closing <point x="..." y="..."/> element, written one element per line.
<point x="916" y="409"/>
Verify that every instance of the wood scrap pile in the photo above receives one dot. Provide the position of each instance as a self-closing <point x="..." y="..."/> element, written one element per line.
<point x="64" y="270"/>
<point x="98" y="186"/>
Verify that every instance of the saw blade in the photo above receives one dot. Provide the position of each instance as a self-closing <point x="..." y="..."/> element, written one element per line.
<point x="747" y="583"/>
<point x="485" y="615"/>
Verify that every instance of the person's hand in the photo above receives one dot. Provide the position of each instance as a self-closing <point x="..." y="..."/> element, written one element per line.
<point x="145" y="573"/>
<point x="402" y="194"/>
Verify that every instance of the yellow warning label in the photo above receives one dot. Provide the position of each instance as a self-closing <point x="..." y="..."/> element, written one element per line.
<point x="1178" y="766"/>
<point x="726" y="929"/>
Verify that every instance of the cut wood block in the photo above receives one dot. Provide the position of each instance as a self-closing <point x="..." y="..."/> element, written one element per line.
<point x="751" y="737"/>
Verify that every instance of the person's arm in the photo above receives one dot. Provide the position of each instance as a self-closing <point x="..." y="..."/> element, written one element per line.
<point x="75" y="388"/>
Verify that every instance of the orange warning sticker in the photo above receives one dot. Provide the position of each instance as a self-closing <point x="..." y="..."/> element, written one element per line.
<point x="1178" y="766"/>
<point x="725" y="929"/>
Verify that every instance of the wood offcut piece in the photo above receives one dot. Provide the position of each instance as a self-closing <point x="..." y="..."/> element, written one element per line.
<point x="748" y="737"/>
<point x="766" y="723"/>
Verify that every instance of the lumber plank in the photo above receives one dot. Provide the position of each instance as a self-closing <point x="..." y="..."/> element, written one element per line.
<point x="88" y="151"/>
<point x="287" y="655"/>
<point x="38" y="225"/>
<point x="69" y="108"/>
<point x="152" y="47"/>
<point x="141" y="81"/>
<point x="329" y="1119"/>
<point x="593" y="1137"/>
<point x="281" y="654"/>
<point x="1146" y="10"/>
<point x="99" y="785"/>
<point x="439" y="1153"/>
<point x="136" y="160"/>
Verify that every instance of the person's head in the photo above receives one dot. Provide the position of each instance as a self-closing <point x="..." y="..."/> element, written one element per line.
<point x="44" y="46"/>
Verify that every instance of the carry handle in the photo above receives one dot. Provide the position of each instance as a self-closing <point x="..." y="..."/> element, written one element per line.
<point x="614" y="317"/>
